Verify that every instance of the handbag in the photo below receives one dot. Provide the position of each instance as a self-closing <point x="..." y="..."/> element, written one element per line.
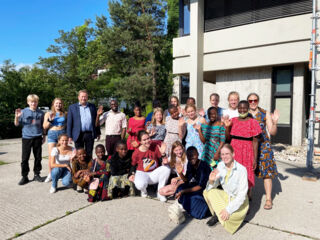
<point x="94" y="184"/>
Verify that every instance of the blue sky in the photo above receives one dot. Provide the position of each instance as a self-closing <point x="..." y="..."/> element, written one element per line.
<point x="27" y="28"/>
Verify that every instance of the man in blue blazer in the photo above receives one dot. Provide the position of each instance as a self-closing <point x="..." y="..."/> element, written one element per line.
<point x="81" y="125"/>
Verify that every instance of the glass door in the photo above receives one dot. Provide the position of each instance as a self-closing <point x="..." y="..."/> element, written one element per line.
<point x="282" y="86"/>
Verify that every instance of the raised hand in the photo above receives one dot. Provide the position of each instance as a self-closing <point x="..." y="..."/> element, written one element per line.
<point x="201" y="112"/>
<point x="197" y="127"/>
<point x="134" y="144"/>
<point x="213" y="175"/>
<point x="162" y="148"/>
<point x="18" y="112"/>
<point x="275" y="116"/>
<point x="100" y="110"/>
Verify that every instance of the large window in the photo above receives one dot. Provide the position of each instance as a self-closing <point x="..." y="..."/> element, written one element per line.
<point x="221" y="14"/>
<point x="184" y="89"/>
<point x="184" y="21"/>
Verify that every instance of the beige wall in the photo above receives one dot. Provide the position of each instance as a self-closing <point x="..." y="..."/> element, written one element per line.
<point x="245" y="81"/>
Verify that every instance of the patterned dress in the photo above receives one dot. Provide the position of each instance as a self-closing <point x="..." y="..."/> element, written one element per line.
<point x="267" y="167"/>
<point x="243" y="148"/>
<point x="193" y="138"/>
<point x="213" y="135"/>
<point x="103" y="173"/>
<point x="172" y="133"/>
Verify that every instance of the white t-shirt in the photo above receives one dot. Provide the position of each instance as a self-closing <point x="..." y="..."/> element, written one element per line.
<point x="61" y="159"/>
<point x="231" y="113"/>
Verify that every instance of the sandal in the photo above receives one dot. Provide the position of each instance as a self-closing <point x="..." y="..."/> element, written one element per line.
<point x="268" y="204"/>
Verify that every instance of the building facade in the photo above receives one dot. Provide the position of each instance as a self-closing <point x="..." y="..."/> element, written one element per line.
<point x="248" y="46"/>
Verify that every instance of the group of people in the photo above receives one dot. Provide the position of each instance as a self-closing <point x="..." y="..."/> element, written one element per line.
<point x="206" y="160"/>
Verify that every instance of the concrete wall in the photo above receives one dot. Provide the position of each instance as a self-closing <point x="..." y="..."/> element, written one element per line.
<point x="298" y="105"/>
<point x="208" y="89"/>
<point x="245" y="81"/>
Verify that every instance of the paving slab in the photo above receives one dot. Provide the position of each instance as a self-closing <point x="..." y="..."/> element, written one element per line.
<point x="138" y="218"/>
<point x="32" y="211"/>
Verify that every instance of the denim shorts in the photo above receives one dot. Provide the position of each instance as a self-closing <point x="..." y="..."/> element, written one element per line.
<point x="54" y="134"/>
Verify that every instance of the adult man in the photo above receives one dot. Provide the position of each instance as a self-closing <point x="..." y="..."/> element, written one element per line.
<point x="81" y="127"/>
<point x="116" y="124"/>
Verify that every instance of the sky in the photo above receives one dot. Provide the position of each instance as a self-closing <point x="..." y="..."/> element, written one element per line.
<point x="28" y="28"/>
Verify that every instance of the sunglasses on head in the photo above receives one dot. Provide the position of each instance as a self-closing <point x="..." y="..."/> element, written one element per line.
<point x="253" y="101"/>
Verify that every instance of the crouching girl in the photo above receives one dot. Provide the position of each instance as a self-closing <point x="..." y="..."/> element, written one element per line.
<point x="150" y="166"/>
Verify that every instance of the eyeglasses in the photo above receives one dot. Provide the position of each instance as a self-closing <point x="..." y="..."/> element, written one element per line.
<point x="253" y="101"/>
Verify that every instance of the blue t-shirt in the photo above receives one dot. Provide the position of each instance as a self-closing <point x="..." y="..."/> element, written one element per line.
<point x="148" y="118"/>
<point x="32" y="123"/>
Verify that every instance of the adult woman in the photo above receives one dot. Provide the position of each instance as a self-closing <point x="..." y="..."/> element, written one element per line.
<point x="157" y="128"/>
<point x="267" y="168"/>
<point x="189" y="194"/>
<point x="174" y="101"/>
<point x="244" y="140"/>
<point x="231" y="111"/>
<point x="55" y="122"/>
<point x="212" y="134"/>
<point x="193" y="127"/>
<point x="230" y="205"/>
<point x="149" y="166"/>
<point x="135" y="124"/>
<point x="177" y="159"/>
<point x="60" y="162"/>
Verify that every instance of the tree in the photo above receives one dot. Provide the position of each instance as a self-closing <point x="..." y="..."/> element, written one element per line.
<point x="132" y="43"/>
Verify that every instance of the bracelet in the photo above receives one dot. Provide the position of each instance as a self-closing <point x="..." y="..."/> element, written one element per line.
<point x="163" y="155"/>
<point x="50" y="121"/>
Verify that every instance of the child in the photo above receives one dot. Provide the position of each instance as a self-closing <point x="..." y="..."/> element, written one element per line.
<point x="31" y="120"/>
<point x="156" y="129"/>
<point x="214" y="101"/>
<point x="80" y="170"/>
<point x="213" y="135"/>
<point x="172" y="128"/>
<point x="189" y="194"/>
<point x="178" y="158"/>
<point x="120" y="168"/>
<point x="99" y="171"/>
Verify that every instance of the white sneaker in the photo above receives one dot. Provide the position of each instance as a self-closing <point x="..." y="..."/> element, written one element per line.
<point x="144" y="194"/>
<point x="48" y="179"/>
<point x="53" y="190"/>
<point x="161" y="198"/>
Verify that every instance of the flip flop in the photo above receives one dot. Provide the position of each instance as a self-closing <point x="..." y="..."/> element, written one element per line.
<point x="268" y="204"/>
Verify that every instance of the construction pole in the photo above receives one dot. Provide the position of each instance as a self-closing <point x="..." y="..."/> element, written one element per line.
<point x="313" y="68"/>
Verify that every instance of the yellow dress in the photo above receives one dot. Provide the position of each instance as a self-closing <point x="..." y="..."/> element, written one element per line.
<point x="218" y="200"/>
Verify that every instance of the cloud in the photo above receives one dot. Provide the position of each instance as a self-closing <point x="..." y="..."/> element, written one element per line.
<point x="21" y="65"/>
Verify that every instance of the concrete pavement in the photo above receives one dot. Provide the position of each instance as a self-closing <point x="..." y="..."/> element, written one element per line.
<point x="31" y="212"/>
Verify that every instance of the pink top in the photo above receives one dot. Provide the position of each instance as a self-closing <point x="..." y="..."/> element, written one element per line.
<point x="136" y="126"/>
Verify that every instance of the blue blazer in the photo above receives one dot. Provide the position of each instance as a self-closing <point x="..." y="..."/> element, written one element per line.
<point x="74" y="121"/>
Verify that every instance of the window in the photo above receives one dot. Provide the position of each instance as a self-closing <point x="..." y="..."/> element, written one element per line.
<point x="221" y="14"/>
<point x="184" y="87"/>
<point x="184" y="20"/>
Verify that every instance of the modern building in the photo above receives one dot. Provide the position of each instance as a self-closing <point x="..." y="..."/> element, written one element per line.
<point x="248" y="46"/>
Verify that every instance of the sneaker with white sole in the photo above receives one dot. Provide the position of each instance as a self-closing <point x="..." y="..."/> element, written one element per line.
<point x="144" y="194"/>
<point x="48" y="179"/>
<point x="53" y="190"/>
<point x="161" y="198"/>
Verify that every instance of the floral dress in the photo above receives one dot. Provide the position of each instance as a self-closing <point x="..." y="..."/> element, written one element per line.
<point x="193" y="138"/>
<point x="172" y="133"/>
<point x="242" y="133"/>
<point x="213" y="135"/>
<point x="267" y="167"/>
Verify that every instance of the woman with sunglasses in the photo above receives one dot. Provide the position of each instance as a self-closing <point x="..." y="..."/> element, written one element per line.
<point x="267" y="168"/>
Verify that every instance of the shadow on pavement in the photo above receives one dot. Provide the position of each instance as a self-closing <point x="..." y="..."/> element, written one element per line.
<point x="178" y="229"/>
<point x="1" y="153"/>
<point x="258" y="192"/>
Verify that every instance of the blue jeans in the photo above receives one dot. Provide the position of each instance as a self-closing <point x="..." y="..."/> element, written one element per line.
<point x="54" y="134"/>
<point x="63" y="173"/>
